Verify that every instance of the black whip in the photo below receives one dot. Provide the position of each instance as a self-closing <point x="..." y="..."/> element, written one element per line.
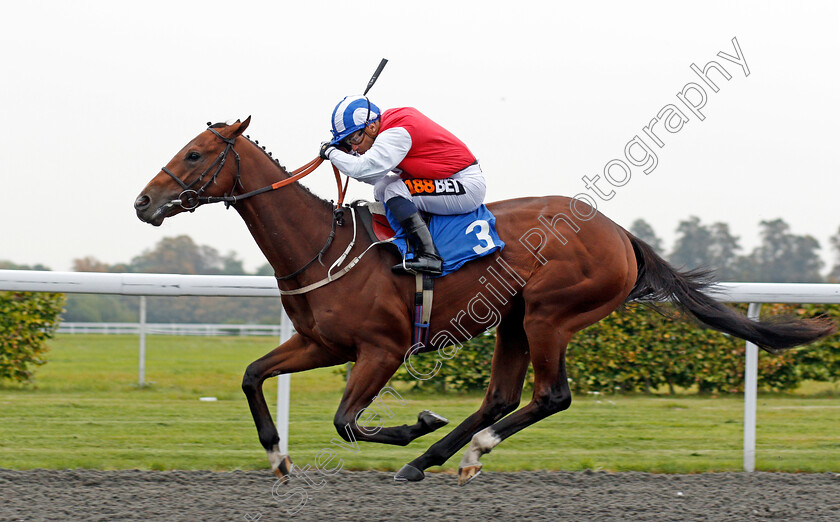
<point x="375" y="75"/>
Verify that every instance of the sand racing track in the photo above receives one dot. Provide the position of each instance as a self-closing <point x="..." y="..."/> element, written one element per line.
<point x="247" y="496"/>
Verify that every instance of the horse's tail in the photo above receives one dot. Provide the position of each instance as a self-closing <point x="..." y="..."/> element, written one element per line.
<point x="659" y="281"/>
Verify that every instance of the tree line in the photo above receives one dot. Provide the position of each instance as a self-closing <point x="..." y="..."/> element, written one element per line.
<point x="782" y="256"/>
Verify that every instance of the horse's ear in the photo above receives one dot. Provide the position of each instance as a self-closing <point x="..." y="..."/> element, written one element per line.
<point x="239" y="127"/>
<point x="244" y="125"/>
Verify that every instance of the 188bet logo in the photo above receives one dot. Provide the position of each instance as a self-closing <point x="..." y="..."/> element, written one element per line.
<point x="434" y="187"/>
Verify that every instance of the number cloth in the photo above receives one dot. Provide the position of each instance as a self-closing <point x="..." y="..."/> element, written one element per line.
<point x="459" y="238"/>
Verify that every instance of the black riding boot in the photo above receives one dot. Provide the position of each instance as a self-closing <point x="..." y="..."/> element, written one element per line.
<point x="426" y="257"/>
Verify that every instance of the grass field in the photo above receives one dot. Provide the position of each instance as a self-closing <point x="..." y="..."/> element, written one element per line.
<point x="85" y="410"/>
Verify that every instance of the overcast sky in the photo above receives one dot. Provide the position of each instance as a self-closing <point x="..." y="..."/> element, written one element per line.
<point x="97" y="96"/>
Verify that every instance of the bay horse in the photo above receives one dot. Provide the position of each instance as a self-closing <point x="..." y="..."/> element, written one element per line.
<point x="565" y="266"/>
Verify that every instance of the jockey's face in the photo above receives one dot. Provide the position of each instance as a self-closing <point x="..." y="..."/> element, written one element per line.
<point x="368" y="137"/>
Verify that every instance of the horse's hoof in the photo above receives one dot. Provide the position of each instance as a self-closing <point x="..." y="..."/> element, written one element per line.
<point x="284" y="468"/>
<point x="432" y="420"/>
<point x="409" y="473"/>
<point x="465" y="475"/>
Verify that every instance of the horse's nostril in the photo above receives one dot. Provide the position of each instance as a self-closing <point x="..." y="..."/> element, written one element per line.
<point x="142" y="202"/>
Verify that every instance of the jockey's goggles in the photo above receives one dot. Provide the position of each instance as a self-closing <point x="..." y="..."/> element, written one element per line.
<point x="354" y="139"/>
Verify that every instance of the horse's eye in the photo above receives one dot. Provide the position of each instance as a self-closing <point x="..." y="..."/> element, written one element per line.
<point x="193" y="156"/>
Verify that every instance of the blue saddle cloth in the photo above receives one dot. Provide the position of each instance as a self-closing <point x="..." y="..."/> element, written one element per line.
<point x="459" y="238"/>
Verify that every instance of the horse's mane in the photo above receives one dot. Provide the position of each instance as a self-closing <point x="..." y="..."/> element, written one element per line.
<point x="276" y="162"/>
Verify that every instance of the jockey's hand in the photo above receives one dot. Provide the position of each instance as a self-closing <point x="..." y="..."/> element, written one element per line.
<point x="326" y="150"/>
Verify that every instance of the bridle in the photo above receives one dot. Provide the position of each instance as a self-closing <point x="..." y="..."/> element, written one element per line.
<point x="190" y="198"/>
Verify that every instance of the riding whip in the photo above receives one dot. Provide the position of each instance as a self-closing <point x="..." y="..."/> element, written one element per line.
<point x="375" y="75"/>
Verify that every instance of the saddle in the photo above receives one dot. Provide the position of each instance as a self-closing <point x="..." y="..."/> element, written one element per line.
<point x="459" y="238"/>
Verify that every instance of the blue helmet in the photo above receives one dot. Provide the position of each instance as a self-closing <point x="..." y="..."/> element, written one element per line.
<point x="351" y="114"/>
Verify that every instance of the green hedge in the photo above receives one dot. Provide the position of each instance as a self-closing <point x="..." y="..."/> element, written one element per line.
<point x="27" y="320"/>
<point x="640" y="350"/>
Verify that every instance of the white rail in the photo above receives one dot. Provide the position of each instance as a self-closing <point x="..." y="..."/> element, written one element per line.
<point x="816" y="293"/>
<point x="138" y="284"/>
<point x="265" y="286"/>
<point x="171" y="329"/>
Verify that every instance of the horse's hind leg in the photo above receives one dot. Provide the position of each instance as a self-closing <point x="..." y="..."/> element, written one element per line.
<point x="509" y="365"/>
<point x="551" y="395"/>
<point x="295" y="355"/>
<point x="367" y="401"/>
<point x="554" y="311"/>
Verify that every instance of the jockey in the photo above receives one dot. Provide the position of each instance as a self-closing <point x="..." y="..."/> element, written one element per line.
<point x="406" y="157"/>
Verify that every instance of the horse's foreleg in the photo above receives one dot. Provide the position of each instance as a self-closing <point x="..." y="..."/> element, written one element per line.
<point x="507" y="374"/>
<point x="295" y="355"/>
<point x="367" y="401"/>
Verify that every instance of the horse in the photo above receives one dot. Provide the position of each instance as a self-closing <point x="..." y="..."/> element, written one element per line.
<point x="564" y="267"/>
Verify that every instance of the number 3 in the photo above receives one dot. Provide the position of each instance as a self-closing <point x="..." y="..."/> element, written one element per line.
<point x="483" y="234"/>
